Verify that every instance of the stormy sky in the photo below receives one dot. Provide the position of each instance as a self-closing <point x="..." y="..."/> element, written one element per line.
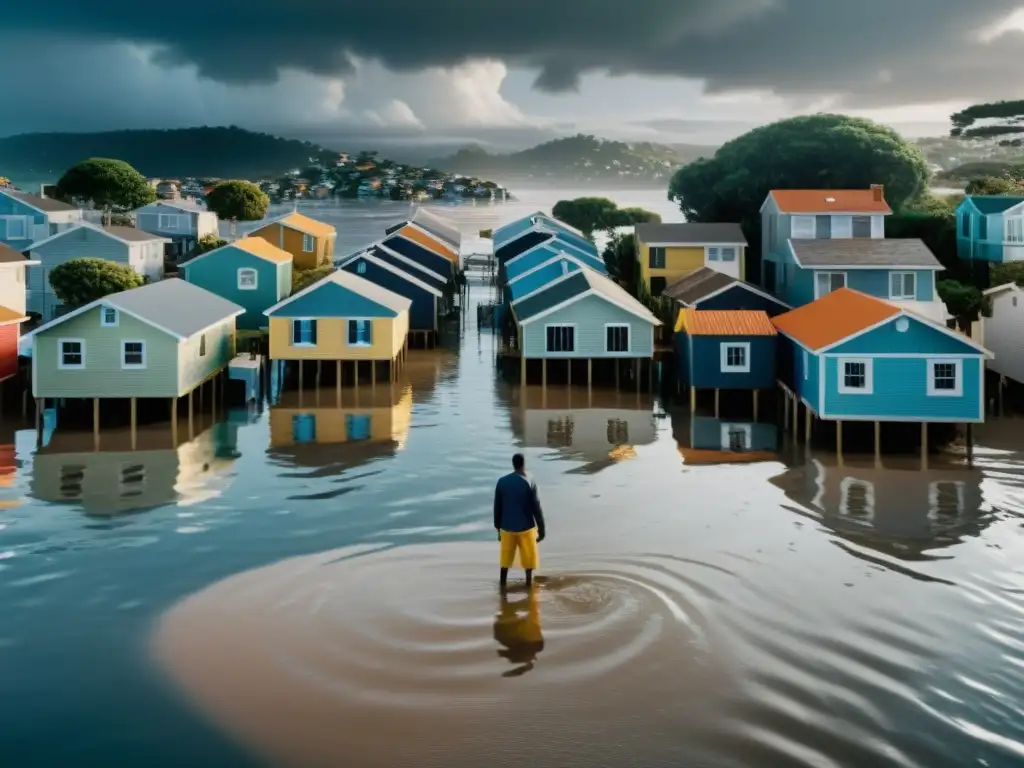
<point x="697" y="70"/>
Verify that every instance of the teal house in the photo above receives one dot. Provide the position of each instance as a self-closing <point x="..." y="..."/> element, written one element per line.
<point x="990" y="228"/>
<point x="725" y="349"/>
<point x="249" y="272"/>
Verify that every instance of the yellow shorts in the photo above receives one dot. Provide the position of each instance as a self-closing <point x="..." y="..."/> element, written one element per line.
<point x="520" y="550"/>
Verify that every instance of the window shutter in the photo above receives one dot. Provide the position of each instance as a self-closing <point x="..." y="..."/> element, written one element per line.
<point x="312" y="331"/>
<point x="353" y="332"/>
<point x="296" y="331"/>
<point x="368" y="324"/>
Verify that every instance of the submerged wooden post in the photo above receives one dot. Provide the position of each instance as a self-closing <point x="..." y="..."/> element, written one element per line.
<point x="96" y="423"/>
<point x="190" y="432"/>
<point x="373" y="374"/>
<point x="796" y="418"/>
<point x="755" y="405"/>
<point x="970" y="444"/>
<point x="568" y="372"/>
<point x="337" y="383"/>
<point x="618" y="362"/>
<point x="355" y="374"/>
<point x="716" y="402"/>
<point x="878" y="444"/>
<point x="839" y="443"/>
<point x="300" y="362"/>
<point x="38" y="417"/>
<point x="133" y="422"/>
<point x="544" y="373"/>
<point x="213" y="395"/>
<point x="202" y="386"/>
<point x="174" y="421"/>
<point x="924" y="445"/>
<point x="693" y="399"/>
<point x="807" y="427"/>
<point x="590" y="374"/>
<point x="636" y="373"/>
<point x="522" y="369"/>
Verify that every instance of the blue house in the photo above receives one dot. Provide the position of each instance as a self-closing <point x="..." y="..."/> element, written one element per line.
<point x="709" y="440"/>
<point x="525" y="283"/>
<point x="520" y="236"/>
<point x="26" y="219"/>
<point x="419" y="257"/>
<point x="513" y="229"/>
<point x="990" y="228"/>
<point x="853" y="357"/>
<point x="710" y="289"/>
<point x="725" y="349"/>
<point x="250" y="272"/>
<point x="427" y="300"/>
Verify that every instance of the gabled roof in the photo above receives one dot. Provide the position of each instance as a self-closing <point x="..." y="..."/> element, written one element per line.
<point x="185" y="206"/>
<point x="555" y="256"/>
<point x="369" y="256"/>
<point x="438" y="226"/>
<point x="173" y="306"/>
<point x="852" y="201"/>
<point x="864" y="252"/>
<point x="254" y="246"/>
<point x="844" y="313"/>
<point x="133" y="234"/>
<point x="8" y="316"/>
<point x="695" y="233"/>
<point x="300" y="223"/>
<point x="574" y="286"/>
<point x="724" y="322"/>
<point x="386" y="244"/>
<point x="422" y="237"/>
<point x="41" y="204"/>
<point x="127" y="235"/>
<point x="358" y="285"/>
<point x="698" y="284"/>
<point x="994" y="203"/>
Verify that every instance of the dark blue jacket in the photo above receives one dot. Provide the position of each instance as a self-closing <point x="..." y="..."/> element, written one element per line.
<point x="517" y="504"/>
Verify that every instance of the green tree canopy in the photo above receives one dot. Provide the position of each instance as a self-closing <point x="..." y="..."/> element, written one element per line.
<point x="1007" y="119"/>
<point x="964" y="302"/>
<point x="206" y="244"/>
<point x="995" y="185"/>
<point x="238" y="201"/>
<point x="79" y="281"/>
<point x="590" y="214"/>
<point x="620" y="258"/>
<point x="303" y="278"/>
<point x="107" y="184"/>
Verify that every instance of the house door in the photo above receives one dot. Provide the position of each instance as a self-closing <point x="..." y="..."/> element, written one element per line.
<point x="769" y="276"/>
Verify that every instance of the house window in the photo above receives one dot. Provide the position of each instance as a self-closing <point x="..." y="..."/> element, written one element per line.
<point x="133" y="354"/>
<point x="357" y="426"/>
<point x="248" y="279"/>
<point x="304" y="428"/>
<point x="616" y="338"/>
<point x="983" y="228"/>
<point x="360" y="333"/>
<point x="902" y="285"/>
<point x="303" y="333"/>
<point x="826" y="282"/>
<point x="656" y="258"/>
<point x="803" y="228"/>
<point x="857" y="501"/>
<point x="712" y="253"/>
<point x="167" y="221"/>
<point x="728" y="254"/>
<point x="17" y="228"/>
<point x="361" y="267"/>
<point x="1015" y="230"/>
<point x="736" y="437"/>
<point x="202" y="345"/>
<point x="945" y="378"/>
<point x="861" y="226"/>
<point x="823" y="227"/>
<point x="965" y="225"/>
<point x="856" y="376"/>
<point x="736" y="357"/>
<point x="308" y="243"/>
<point x="807" y="365"/>
<point x="71" y="353"/>
<point x="108" y="317"/>
<point x="561" y="338"/>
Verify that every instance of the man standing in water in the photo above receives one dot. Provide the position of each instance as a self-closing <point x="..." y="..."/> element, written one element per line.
<point x="518" y="519"/>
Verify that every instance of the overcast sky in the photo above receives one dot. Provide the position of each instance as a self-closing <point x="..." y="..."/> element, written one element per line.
<point x="670" y="70"/>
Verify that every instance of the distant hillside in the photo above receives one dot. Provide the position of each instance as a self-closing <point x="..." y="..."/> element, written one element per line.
<point x="576" y="158"/>
<point x="186" y="152"/>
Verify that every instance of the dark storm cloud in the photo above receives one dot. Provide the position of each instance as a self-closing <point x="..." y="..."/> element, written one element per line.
<point x="872" y="51"/>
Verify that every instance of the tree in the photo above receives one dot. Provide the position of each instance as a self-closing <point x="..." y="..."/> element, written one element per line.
<point x="1008" y="272"/>
<point x="206" y="244"/>
<point x="995" y="185"/>
<point x="108" y="184"/>
<point x="620" y="258"/>
<point x="964" y="302"/>
<point x="79" y="281"/>
<point x="303" y="278"/>
<point x="590" y="214"/>
<point x="1007" y="117"/>
<point x="238" y="201"/>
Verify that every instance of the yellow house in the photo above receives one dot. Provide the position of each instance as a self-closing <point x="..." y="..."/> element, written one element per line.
<point x="310" y="242"/>
<point x="669" y="252"/>
<point x="342" y="317"/>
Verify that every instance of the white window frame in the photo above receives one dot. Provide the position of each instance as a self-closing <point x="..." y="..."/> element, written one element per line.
<point x="869" y="376"/>
<point x="830" y="275"/>
<point x="168" y="221"/>
<point x="575" y="338"/>
<point x="958" y="391"/>
<point x="903" y="293"/>
<point x="247" y="271"/>
<point x="727" y="249"/>
<point x="292" y="329"/>
<point x="729" y="428"/>
<point x="362" y="344"/>
<point x="865" y="518"/>
<point x="25" y="228"/>
<point x="724" y="354"/>
<point x="629" y="338"/>
<point x="712" y="253"/>
<point x="60" y="355"/>
<point x="308" y="244"/>
<point x="132" y="366"/>
<point x="1013" y="230"/>
<point x="803" y="228"/>
<point x="103" y="317"/>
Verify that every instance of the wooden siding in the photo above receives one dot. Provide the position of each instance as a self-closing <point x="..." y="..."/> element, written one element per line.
<point x="218" y="273"/>
<point x="919" y="338"/>
<point x="387" y="334"/>
<point x="103" y="375"/>
<point x="590" y="314"/>
<point x="288" y="239"/>
<point x="705" y="363"/>
<point x="680" y="261"/>
<point x="35" y="222"/>
<point x="194" y="368"/>
<point x="333" y="300"/>
<point x="9" y="335"/>
<point x="13" y="285"/>
<point x="422" y="313"/>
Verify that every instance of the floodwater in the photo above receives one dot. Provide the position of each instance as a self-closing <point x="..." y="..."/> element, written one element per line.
<point x="314" y="584"/>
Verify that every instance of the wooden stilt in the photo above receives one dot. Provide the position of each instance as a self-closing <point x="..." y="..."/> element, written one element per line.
<point x="755" y="406"/>
<point x="807" y="426"/>
<point x="373" y="374"/>
<point x="174" y="422"/>
<point x="969" y="437"/>
<point x="650" y="376"/>
<point x="590" y="375"/>
<point x="796" y="418"/>
<point x="337" y="382"/>
<point x="618" y="363"/>
<point x="785" y="410"/>
<point x="544" y="373"/>
<point x="716" y="402"/>
<point x="1002" y="385"/>
<point x="133" y="423"/>
<point x="213" y="395"/>
<point x="522" y="369"/>
<point x="924" y="445"/>
<point x="355" y="374"/>
<point x="202" y="386"/>
<point x="191" y="432"/>
<point x="568" y="372"/>
<point x="301" y="366"/>
<point x="39" y="401"/>
<point x="839" y="443"/>
<point x="96" y="423"/>
<point x="318" y="362"/>
<point x="636" y="374"/>
<point x="693" y="399"/>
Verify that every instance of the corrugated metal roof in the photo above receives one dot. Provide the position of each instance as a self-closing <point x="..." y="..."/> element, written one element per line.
<point x="726" y="322"/>
<point x="697" y="233"/>
<point x="833" y="317"/>
<point x="864" y="251"/>
<point x="829" y="201"/>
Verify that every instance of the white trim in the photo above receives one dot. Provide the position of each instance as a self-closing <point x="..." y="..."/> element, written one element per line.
<point x="830" y="274"/>
<point x="360" y="344"/>
<point x="698" y="245"/>
<point x="133" y="366"/>
<point x="901" y="419"/>
<point x="742" y="284"/>
<point x="291" y="332"/>
<point x="393" y="269"/>
<point x="902" y="275"/>
<point x="958" y="372"/>
<point x="535" y="291"/>
<point x="806" y="359"/>
<point x="869" y="376"/>
<point x="103" y="317"/>
<point x="26" y="223"/>
<point x="589" y="292"/>
<point x="913" y="316"/>
<point x="310" y="240"/>
<point x="575" y="338"/>
<point x="410" y="262"/>
<point x="557" y="257"/>
<point x="60" y="355"/>
<point x="629" y="338"/>
<point x="255" y="279"/>
<point x="171" y="217"/>
<point x="821" y="383"/>
<point x="1000" y="289"/>
<point x="905" y="355"/>
<point x="724" y="348"/>
<point x="102" y="231"/>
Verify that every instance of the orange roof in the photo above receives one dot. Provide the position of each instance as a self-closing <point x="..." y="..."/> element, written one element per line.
<point x="726" y="322"/>
<point x="257" y="246"/>
<point x="429" y="242"/>
<point x="8" y="316"/>
<point x="830" y="201"/>
<point x="834" y="317"/>
<point x="708" y="456"/>
<point x="307" y="225"/>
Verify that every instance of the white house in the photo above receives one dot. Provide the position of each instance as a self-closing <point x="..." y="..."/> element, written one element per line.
<point x="1003" y="333"/>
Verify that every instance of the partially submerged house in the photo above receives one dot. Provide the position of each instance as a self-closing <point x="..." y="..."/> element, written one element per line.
<point x="13" y="303"/>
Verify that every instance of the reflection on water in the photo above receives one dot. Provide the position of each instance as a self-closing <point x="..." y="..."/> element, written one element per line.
<point x="707" y="440"/>
<point x="517" y="629"/>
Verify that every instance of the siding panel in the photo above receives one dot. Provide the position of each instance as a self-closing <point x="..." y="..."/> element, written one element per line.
<point x="590" y="315"/>
<point x="422" y="313"/>
<point x="218" y="273"/>
<point x="388" y="336"/>
<point x="919" y="338"/>
<point x="706" y="363"/>
<point x="194" y="368"/>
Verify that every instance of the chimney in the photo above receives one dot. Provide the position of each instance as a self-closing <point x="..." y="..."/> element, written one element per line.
<point x="878" y="193"/>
